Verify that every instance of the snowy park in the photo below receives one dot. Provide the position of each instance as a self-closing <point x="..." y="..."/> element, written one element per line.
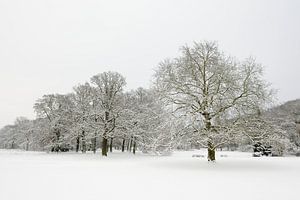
<point x="149" y="100"/>
<point x="235" y="176"/>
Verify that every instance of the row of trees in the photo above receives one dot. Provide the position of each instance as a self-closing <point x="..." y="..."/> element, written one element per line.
<point x="203" y="97"/>
<point x="96" y="114"/>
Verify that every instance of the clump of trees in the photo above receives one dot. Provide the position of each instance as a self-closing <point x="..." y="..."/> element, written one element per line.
<point x="202" y="98"/>
<point x="95" y="115"/>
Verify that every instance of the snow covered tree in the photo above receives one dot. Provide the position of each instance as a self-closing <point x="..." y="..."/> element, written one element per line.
<point x="109" y="86"/>
<point x="208" y="86"/>
<point x="56" y="109"/>
<point x="126" y="123"/>
<point x="8" y="137"/>
<point x="24" y="128"/>
<point x="286" y="117"/>
<point x="150" y="126"/>
<point x="81" y="115"/>
<point x="23" y="134"/>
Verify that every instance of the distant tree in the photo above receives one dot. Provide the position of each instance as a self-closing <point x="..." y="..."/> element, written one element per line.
<point x="8" y="137"/>
<point x="24" y="134"/>
<point x="287" y="118"/>
<point x="56" y="109"/>
<point x="25" y="130"/>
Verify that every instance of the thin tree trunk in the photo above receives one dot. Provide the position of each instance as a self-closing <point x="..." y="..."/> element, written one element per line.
<point x="134" y="145"/>
<point x="123" y="145"/>
<point x="128" y="142"/>
<point x="77" y="143"/>
<point x="83" y="142"/>
<point x="130" y="146"/>
<point x="94" y="140"/>
<point x="27" y="144"/>
<point x="111" y="145"/>
<point x="94" y="143"/>
<point x="104" y="146"/>
<point x="107" y="149"/>
<point x="104" y="139"/>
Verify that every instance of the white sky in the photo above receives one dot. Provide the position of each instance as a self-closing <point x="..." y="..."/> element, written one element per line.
<point x="50" y="46"/>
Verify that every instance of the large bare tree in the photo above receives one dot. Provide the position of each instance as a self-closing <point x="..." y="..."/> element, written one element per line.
<point x="208" y="86"/>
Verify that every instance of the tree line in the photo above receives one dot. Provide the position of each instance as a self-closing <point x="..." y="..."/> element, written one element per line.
<point x="202" y="98"/>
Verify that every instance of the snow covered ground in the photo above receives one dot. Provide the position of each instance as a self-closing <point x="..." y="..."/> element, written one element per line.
<point x="70" y="176"/>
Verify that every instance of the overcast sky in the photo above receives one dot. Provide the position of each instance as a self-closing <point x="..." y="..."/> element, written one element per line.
<point x="50" y="46"/>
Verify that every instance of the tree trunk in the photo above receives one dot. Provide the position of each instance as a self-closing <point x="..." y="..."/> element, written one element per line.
<point x="128" y="141"/>
<point x="123" y="145"/>
<point x="104" y="146"/>
<point x="83" y="142"/>
<point x="94" y="143"/>
<point x="130" y="146"/>
<point x="211" y="152"/>
<point x="27" y="144"/>
<point x="104" y="139"/>
<point x="134" y="146"/>
<point x="77" y="143"/>
<point x="111" y="145"/>
<point x="57" y="133"/>
<point x="210" y="148"/>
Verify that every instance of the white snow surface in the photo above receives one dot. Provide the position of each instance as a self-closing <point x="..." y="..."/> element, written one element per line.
<point x="122" y="176"/>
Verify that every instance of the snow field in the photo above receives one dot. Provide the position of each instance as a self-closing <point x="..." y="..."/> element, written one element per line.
<point x="42" y="176"/>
